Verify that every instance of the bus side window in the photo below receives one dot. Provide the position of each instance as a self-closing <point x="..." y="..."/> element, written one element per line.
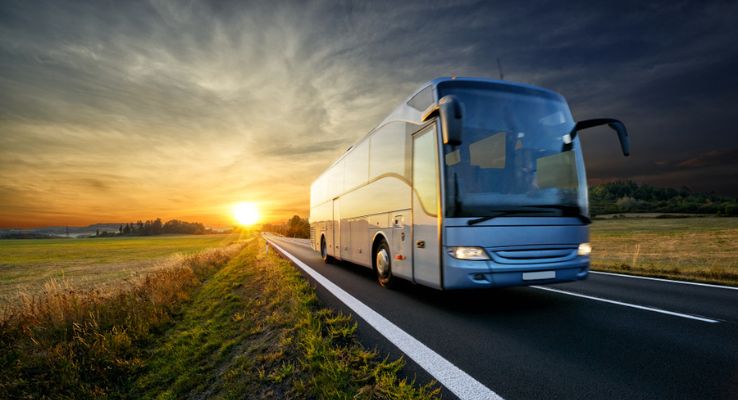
<point x="387" y="154"/>
<point x="356" y="166"/>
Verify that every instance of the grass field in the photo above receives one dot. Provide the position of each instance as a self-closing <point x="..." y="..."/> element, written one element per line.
<point x="700" y="249"/>
<point x="27" y="264"/>
<point x="232" y="322"/>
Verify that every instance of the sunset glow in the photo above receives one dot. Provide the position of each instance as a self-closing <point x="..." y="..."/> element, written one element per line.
<point x="246" y="213"/>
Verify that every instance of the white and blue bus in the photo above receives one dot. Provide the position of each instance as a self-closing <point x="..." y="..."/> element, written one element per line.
<point x="470" y="183"/>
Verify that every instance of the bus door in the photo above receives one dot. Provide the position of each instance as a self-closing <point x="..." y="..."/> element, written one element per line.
<point x="425" y="193"/>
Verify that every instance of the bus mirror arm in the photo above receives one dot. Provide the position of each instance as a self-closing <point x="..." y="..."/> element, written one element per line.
<point x="450" y="109"/>
<point x="616" y="125"/>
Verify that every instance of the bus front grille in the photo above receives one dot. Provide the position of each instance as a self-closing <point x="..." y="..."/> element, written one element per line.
<point x="526" y="256"/>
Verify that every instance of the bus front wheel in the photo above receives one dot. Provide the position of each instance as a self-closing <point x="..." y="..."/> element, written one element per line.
<point x="383" y="265"/>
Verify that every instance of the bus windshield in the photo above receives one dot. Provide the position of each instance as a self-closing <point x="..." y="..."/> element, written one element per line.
<point x="511" y="158"/>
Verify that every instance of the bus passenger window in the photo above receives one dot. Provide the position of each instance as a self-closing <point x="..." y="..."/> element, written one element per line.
<point x="387" y="155"/>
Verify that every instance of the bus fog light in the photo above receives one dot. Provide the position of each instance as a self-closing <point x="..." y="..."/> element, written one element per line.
<point x="584" y="249"/>
<point x="468" y="253"/>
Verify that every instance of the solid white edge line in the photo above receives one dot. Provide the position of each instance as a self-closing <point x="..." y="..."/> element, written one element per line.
<point x="665" y="280"/>
<point x="620" y="303"/>
<point x="449" y="375"/>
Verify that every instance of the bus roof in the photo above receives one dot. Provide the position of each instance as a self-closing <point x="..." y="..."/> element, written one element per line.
<point x="405" y="112"/>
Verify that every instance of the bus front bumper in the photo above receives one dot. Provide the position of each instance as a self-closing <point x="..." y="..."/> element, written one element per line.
<point x="463" y="274"/>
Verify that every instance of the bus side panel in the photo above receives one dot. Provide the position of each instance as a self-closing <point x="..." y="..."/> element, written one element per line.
<point x="385" y="195"/>
<point x="320" y="217"/>
<point x="360" y="241"/>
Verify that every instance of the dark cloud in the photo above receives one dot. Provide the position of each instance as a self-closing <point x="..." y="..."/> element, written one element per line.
<point x="712" y="158"/>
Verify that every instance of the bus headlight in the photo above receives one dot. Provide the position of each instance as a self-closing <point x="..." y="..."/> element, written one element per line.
<point x="468" y="253"/>
<point x="584" y="249"/>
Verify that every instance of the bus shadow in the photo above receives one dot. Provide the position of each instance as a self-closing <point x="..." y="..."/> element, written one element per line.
<point x="492" y="301"/>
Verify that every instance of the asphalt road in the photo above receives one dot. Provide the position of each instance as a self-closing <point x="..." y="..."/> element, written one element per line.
<point x="531" y="343"/>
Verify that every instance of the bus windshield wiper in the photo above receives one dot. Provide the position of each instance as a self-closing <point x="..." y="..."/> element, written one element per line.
<point x="526" y="210"/>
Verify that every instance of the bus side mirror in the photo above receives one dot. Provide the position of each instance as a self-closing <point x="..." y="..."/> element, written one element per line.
<point x="449" y="108"/>
<point x="616" y="125"/>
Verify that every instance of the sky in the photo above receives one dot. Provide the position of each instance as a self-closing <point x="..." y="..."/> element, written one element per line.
<point x="118" y="111"/>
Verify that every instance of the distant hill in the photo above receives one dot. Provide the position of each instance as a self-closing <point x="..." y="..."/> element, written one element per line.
<point x="631" y="197"/>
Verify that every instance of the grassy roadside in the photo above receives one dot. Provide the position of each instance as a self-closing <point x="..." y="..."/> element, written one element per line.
<point x="692" y="249"/>
<point x="256" y="330"/>
<point x="231" y="322"/>
<point x="73" y="343"/>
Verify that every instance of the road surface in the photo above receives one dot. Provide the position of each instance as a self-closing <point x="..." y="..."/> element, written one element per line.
<point x="609" y="337"/>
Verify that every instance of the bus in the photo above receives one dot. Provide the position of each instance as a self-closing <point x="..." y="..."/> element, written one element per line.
<point x="469" y="183"/>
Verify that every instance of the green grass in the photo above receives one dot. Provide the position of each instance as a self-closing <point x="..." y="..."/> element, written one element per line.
<point x="256" y="330"/>
<point x="26" y="264"/>
<point x="698" y="249"/>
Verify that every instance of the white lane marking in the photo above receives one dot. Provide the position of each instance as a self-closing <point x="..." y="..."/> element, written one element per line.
<point x="620" y="303"/>
<point x="454" y="379"/>
<point x="297" y="241"/>
<point x="665" y="280"/>
<point x="300" y="242"/>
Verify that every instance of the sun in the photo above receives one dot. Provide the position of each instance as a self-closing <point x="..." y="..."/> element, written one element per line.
<point x="246" y="213"/>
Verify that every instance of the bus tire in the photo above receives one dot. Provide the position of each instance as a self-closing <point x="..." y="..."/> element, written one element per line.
<point x="383" y="265"/>
<point x="324" y="251"/>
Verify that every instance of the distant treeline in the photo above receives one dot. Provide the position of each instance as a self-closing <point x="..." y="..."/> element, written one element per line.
<point x="156" y="227"/>
<point x="631" y="197"/>
<point x="294" y="227"/>
<point x="24" y="235"/>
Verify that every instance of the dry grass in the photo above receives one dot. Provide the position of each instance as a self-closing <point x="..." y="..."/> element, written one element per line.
<point x="27" y="264"/>
<point x="700" y="249"/>
<point x="227" y="323"/>
<point x="68" y="343"/>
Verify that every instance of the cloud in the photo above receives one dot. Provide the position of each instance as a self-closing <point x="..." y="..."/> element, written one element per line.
<point x="727" y="157"/>
<point x="181" y="108"/>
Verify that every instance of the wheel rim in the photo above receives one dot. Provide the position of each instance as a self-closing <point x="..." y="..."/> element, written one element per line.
<point x="383" y="263"/>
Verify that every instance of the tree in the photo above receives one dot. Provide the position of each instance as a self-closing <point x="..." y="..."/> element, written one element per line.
<point x="156" y="227"/>
<point x="294" y="227"/>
